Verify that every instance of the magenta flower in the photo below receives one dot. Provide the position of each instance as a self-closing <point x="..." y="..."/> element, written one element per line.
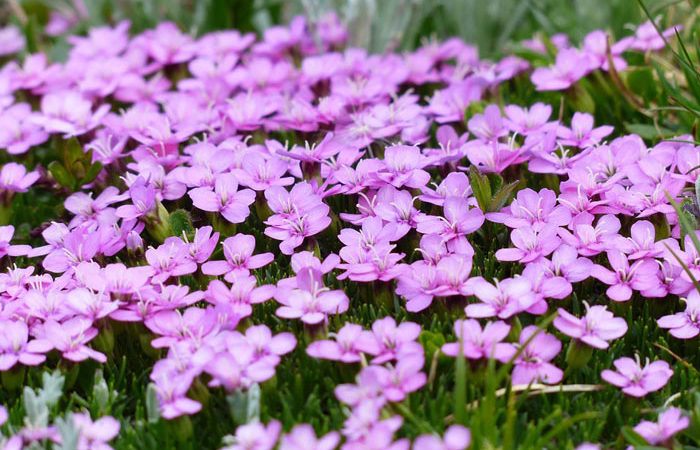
<point x="171" y="392"/>
<point x="299" y="214"/>
<point x="170" y="260"/>
<point x="343" y="347"/>
<point x="95" y="435"/>
<point x="143" y="197"/>
<point x="456" y="437"/>
<point x="70" y="337"/>
<point x="623" y="277"/>
<point x="533" y="209"/>
<point x="6" y="234"/>
<point x="527" y="120"/>
<point x="458" y="221"/>
<point x="224" y="198"/>
<point x="303" y="437"/>
<point x="504" y="300"/>
<point x="404" y="377"/>
<point x="15" y="178"/>
<point x="530" y="246"/>
<point x="596" y="328"/>
<point x="256" y="436"/>
<point x="684" y="325"/>
<point x="19" y="133"/>
<point x="636" y="380"/>
<point x="489" y="125"/>
<point x="671" y="422"/>
<point x="478" y="343"/>
<point x="70" y="113"/>
<point x="570" y="66"/>
<point x="11" y="40"/>
<point x="582" y="134"/>
<point x="403" y="166"/>
<point x="387" y="340"/>
<point x="310" y="301"/>
<point x="533" y="364"/>
<point x="238" y="251"/>
<point x="15" y="346"/>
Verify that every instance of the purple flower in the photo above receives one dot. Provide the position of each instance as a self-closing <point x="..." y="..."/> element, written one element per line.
<point x="303" y="437"/>
<point x="456" y="437"/>
<point x="458" y="221"/>
<point x="387" y="340"/>
<point x="224" y="198"/>
<point x="143" y="197"/>
<point x="489" y="125"/>
<point x="310" y="301"/>
<point x="70" y="337"/>
<point x="15" y="346"/>
<point x="533" y="209"/>
<point x="527" y="120"/>
<point x="171" y="397"/>
<point x="15" y="178"/>
<point x="95" y="435"/>
<point x="299" y="213"/>
<point x="238" y="251"/>
<point x="170" y="260"/>
<point x="533" y="364"/>
<point x="508" y="298"/>
<point x="478" y="343"/>
<point x="256" y="436"/>
<point x="401" y="379"/>
<point x="570" y="66"/>
<point x="530" y="246"/>
<point x="636" y="380"/>
<point x="6" y="233"/>
<point x="343" y="346"/>
<point x="684" y="325"/>
<point x="671" y="422"/>
<point x="19" y="133"/>
<point x="403" y="166"/>
<point x="623" y="277"/>
<point x="596" y="328"/>
<point x="582" y="134"/>
<point x="11" y="40"/>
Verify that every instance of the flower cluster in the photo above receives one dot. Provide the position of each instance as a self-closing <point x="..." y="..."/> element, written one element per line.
<point x="364" y="186"/>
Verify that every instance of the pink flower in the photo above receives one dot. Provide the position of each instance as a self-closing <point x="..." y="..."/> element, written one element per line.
<point x="310" y="301"/>
<point x="303" y="437"/>
<point x="623" y="278"/>
<point x="479" y="344"/>
<point x="95" y="435"/>
<point x="70" y="337"/>
<point x="530" y="246"/>
<point x="533" y="364"/>
<point x="638" y="381"/>
<point x="238" y="251"/>
<point x="533" y="209"/>
<point x="403" y="378"/>
<point x="508" y="298"/>
<point x="387" y="340"/>
<point x="456" y="437"/>
<point x="570" y="66"/>
<point x="582" y="134"/>
<point x="15" y="346"/>
<point x="684" y="325"/>
<point x="224" y="198"/>
<point x="671" y="422"/>
<point x="596" y="328"/>
<point x="343" y="347"/>
<point x="256" y="436"/>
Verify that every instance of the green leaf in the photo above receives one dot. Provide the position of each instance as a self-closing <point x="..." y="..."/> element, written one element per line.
<point x="649" y="132"/>
<point x="92" y="172"/>
<point x="503" y="196"/>
<point x="481" y="187"/>
<point x="641" y="82"/>
<point x="180" y="222"/>
<point x="61" y="175"/>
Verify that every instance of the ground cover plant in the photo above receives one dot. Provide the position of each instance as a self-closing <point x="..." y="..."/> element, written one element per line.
<point x="223" y="239"/>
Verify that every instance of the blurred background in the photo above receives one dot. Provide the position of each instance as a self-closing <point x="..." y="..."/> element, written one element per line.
<point x="377" y="25"/>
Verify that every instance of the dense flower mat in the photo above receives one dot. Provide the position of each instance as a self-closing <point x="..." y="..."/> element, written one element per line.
<point x="385" y="240"/>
